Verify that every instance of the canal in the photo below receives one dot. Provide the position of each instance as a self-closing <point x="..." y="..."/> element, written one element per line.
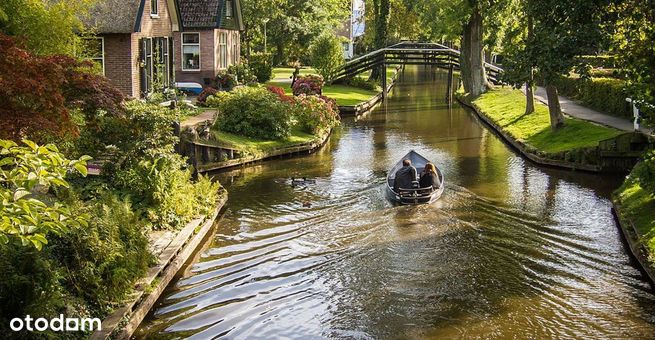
<point x="511" y="249"/>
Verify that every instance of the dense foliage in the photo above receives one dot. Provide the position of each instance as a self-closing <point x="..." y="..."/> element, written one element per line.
<point x="634" y="42"/>
<point x="144" y="166"/>
<point x="291" y="25"/>
<point x="243" y="73"/>
<point x="268" y="113"/>
<point x="49" y="27"/>
<point x="261" y="66"/>
<point x="39" y="96"/>
<point x="362" y="83"/>
<point x="646" y="172"/>
<point x="602" y="94"/>
<point x="326" y="53"/>
<point x="26" y="174"/>
<point x="252" y="112"/>
<point x="205" y="93"/>
<point x="316" y="115"/>
<point x="309" y="85"/>
<point x="225" y="81"/>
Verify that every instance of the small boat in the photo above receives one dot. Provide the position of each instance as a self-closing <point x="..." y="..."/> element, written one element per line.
<point x="415" y="195"/>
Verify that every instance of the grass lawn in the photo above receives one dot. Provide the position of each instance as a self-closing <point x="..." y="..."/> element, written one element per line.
<point x="507" y="107"/>
<point x="287" y="72"/>
<point x="638" y="206"/>
<point x="344" y="95"/>
<point x="255" y="146"/>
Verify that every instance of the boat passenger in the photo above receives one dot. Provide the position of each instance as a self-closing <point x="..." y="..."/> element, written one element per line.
<point x="429" y="177"/>
<point x="405" y="176"/>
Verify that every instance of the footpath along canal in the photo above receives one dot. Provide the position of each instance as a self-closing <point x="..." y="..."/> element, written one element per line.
<point x="511" y="249"/>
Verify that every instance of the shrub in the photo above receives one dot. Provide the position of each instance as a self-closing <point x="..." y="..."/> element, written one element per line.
<point x="243" y="73"/>
<point x="281" y="94"/>
<point x="361" y="83"/>
<point x="646" y="172"/>
<point x="602" y="94"/>
<point x="315" y="115"/>
<point x="225" y="81"/>
<point x="253" y="112"/>
<point x="261" y="66"/>
<point x="39" y="94"/>
<point x="327" y="54"/>
<point x="28" y="214"/>
<point x="206" y="92"/>
<point x="104" y="259"/>
<point x="308" y="85"/>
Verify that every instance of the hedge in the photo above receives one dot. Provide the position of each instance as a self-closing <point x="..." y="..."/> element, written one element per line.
<point x="602" y="94"/>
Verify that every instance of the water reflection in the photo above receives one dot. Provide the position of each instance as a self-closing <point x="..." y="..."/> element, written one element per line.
<point x="511" y="250"/>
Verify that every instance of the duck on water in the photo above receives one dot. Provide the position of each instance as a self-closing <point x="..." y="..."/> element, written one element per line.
<point x="403" y="184"/>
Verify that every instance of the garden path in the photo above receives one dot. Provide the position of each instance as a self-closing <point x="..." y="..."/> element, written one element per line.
<point x="573" y="109"/>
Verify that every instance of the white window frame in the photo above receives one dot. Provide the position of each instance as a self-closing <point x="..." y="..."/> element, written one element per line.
<point x="190" y="44"/>
<point x="102" y="53"/>
<point x="222" y="47"/>
<point x="154" y="10"/>
<point x="235" y="48"/>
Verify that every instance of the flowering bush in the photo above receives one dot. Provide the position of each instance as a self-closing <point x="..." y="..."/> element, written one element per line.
<point x="315" y="115"/>
<point x="281" y="94"/>
<point x="253" y="112"/>
<point x="308" y="85"/>
<point x="206" y="92"/>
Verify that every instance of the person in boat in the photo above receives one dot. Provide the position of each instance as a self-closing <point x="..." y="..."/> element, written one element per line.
<point x="429" y="177"/>
<point x="405" y="176"/>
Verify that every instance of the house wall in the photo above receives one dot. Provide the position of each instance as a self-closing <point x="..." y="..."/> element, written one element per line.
<point x="207" y="69"/>
<point x="118" y="60"/>
<point x="209" y="54"/>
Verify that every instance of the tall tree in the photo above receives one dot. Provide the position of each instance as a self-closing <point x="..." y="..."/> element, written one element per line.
<point x="634" y="44"/>
<point x="381" y="12"/>
<point x="291" y="24"/>
<point x="563" y="31"/>
<point x="518" y="66"/>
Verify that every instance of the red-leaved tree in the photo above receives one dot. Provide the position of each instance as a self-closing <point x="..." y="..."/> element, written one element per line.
<point x="37" y="93"/>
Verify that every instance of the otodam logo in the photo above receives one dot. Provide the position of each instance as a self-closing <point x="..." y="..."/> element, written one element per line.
<point x="59" y="324"/>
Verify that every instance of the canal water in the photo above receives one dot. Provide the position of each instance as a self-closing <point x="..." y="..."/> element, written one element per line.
<point x="511" y="249"/>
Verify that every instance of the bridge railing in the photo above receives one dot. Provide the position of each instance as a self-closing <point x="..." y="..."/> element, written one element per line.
<point x="409" y="53"/>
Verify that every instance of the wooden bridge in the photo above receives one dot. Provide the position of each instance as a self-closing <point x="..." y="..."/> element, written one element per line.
<point x="410" y="53"/>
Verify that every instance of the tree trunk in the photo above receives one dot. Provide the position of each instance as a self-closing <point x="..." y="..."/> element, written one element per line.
<point x="529" y="85"/>
<point x="474" y="75"/>
<point x="529" y="98"/>
<point x="556" y="117"/>
<point x="381" y="9"/>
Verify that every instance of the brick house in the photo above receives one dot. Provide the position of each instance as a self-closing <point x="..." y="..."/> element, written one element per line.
<point x="140" y="42"/>
<point x="209" y="39"/>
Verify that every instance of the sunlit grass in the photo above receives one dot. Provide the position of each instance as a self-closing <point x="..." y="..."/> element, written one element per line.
<point x="254" y="145"/>
<point x="344" y="95"/>
<point x="507" y="108"/>
<point x="638" y="206"/>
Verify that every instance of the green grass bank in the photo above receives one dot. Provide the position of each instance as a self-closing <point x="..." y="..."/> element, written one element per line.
<point x="345" y="95"/>
<point x="506" y="107"/>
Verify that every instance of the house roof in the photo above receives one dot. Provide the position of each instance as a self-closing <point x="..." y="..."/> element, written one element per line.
<point x="206" y="14"/>
<point x="114" y="16"/>
<point x="199" y="13"/>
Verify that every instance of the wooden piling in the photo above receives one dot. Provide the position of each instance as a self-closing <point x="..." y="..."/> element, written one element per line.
<point x="449" y="93"/>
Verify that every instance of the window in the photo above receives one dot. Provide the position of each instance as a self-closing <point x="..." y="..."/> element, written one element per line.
<point x="95" y="49"/>
<point x="229" y="9"/>
<point x="154" y="8"/>
<point x="190" y="51"/>
<point x="235" y="48"/>
<point x="222" y="50"/>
